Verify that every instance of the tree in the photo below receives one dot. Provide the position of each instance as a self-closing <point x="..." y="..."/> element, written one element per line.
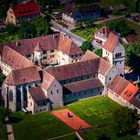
<point x="86" y="45"/>
<point x="119" y="26"/>
<point x="27" y="30"/>
<point x="41" y="25"/>
<point x="4" y="113"/>
<point x="133" y="55"/>
<point x="43" y="3"/>
<point x="98" y="52"/>
<point x="2" y="77"/>
<point x="11" y="29"/>
<point x="125" y="119"/>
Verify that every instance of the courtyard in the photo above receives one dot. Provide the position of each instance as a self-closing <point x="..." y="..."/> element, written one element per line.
<point x="97" y="112"/>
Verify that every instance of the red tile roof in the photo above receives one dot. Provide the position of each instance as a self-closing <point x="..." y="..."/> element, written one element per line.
<point x="89" y="56"/>
<point x="123" y="88"/>
<point x="80" y="69"/>
<point x="26" y="9"/>
<point x="67" y="46"/>
<point x="112" y="42"/>
<point x="14" y="59"/>
<point x="83" y="85"/>
<point x="23" y="76"/>
<point x="47" y="80"/>
<point x="104" y="31"/>
<point x="37" y="94"/>
<point x="48" y="43"/>
<point x="28" y="46"/>
<point x="129" y="92"/>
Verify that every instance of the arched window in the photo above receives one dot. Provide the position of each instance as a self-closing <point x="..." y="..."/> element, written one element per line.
<point x="10" y="95"/>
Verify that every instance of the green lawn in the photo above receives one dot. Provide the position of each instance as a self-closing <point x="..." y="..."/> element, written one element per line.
<point x="86" y="33"/>
<point x="6" y="38"/>
<point x="95" y="111"/>
<point x="3" y="135"/>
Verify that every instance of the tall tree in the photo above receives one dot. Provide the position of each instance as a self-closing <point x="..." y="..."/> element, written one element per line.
<point x="125" y="119"/>
<point x="27" y="30"/>
<point x="41" y="25"/>
<point x="87" y="45"/>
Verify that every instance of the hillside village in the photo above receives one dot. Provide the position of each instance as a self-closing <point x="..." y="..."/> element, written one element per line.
<point x="53" y="70"/>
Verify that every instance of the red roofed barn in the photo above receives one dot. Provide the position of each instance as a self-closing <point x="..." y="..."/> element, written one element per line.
<point x="25" y="11"/>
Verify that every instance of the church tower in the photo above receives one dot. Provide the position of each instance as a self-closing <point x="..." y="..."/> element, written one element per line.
<point x="115" y="52"/>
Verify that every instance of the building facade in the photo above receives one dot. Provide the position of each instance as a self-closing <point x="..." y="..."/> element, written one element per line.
<point x="22" y="12"/>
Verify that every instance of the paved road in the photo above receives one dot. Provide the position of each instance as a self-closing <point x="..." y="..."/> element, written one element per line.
<point x="57" y="27"/>
<point x="113" y="18"/>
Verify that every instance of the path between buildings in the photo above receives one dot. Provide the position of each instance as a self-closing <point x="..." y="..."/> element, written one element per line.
<point x="61" y="136"/>
<point x="112" y="18"/>
<point x="9" y="129"/>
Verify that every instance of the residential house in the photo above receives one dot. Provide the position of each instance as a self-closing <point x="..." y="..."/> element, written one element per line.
<point x="72" y="14"/>
<point x="101" y="35"/>
<point x="124" y="92"/>
<point x="22" y="12"/>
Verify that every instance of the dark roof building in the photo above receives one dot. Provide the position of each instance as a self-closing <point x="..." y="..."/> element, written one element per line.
<point x="83" y="85"/>
<point x="76" y="14"/>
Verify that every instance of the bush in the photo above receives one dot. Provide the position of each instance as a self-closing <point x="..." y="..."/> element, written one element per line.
<point x="87" y="45"/>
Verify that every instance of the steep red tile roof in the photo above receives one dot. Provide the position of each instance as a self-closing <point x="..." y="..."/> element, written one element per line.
<point x="74" y="70"/>
<point x="104" y="31"/>
<point x="80" y="69"/>
<point x="129" y="92"/>
<point x="83" y="85"/>
<point x="28" y="46"/>
<point x="47" y="80"/>
<point x="23" y="76"/>
<point x="37" y="94"/>
<point x="48" y="43"/>
<point x="123" y="88"/>
<point x="104" y="66"/>
<point x="89" y="55"/>
<point x="14" y="59"/>
<point x="112" y="42"/>
<point x="67" y="46"/>
<point x="26" y="9"/>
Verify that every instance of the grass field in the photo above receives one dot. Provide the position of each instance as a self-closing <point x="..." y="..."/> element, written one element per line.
<point x="3" y="135"/>
<point x="95" y="111"/>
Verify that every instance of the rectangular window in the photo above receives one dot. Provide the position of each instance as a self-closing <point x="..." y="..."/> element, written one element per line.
<point x="51" y="56"/>
<point x="52" y="51"/>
